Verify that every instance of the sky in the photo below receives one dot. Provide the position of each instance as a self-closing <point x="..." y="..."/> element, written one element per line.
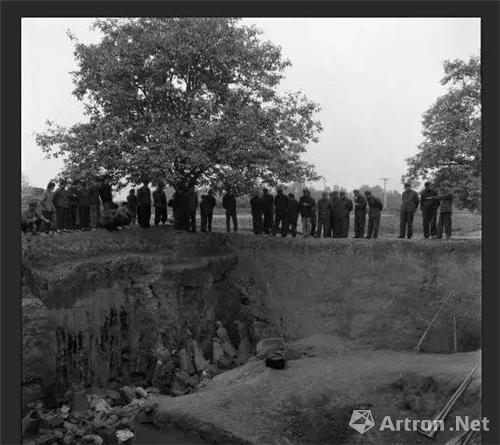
<point x="372" y="77"/>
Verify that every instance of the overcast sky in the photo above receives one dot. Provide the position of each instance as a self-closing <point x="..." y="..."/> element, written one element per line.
<point x="373" y="79"/>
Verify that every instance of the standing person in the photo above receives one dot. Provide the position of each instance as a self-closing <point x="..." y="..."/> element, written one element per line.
<point x="61" y="202"/>
<point x="292" y="215"/>
<point x="94" y="205"/>
<point x="268" y="201"/>
<point x="429" y="210"/>
<point x="47" y="206"/>
<point x="106" y="193"/>
<point x="324" y="211"/>
<point x="229" y="203"/>
<point x="257" y="206"/>
<point x="359" y="214"/>
<point x="337" y="215"/>
<point x="409" y="204"/>
<point x="144" y="205"/>
<point x="307" y="208"/>
<point x="346" y="210"/>
<point x="132" y="205"/>
<point x="280" y="210"/>
<point x="207" y="206"/>
<point x="160" y="203"/>
<point x="445" y="211"/>
<point x="74" y="204"/>
<point x="192" y="205"/>
<point x="84" y="207"/>
<point x="177" y="204"/>
<point x="373" y="215"/>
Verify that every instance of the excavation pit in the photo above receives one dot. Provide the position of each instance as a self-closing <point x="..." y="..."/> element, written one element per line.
<point x="93" y="304"/>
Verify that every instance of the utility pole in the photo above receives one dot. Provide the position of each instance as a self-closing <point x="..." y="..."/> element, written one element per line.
<point x="385" y="191"/>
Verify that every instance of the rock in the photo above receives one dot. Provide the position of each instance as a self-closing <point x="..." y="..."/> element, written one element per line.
<point x="225" y="341"/>
<point x="45" y="439"/>
<point x="217" y="352"/>
<point x="80" y="402"/>
<point x="124" y="436"/>
<point x="193" y="381"/>
<point x="199" y="361"/>
<point x="113" y="395"/>
<point x="152" y="390"/>
<point x="100" y="405"/>
<point x="185" y="362"/>
<point x="268" y="346"/>
<point x="30" y="423"/>
<point x="141" y="392"/>
<point x="93" y="439"/>
<point x="127" y="394"/>
<point x="64" y="410"/>
<point x="245" y="346"/>
<point x="276" y="361"/>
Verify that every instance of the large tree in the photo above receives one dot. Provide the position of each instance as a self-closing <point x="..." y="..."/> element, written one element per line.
<point x="190" y="101"/>
<point x="450" y="154"/>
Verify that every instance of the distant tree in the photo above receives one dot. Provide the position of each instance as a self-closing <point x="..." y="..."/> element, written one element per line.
<point x="450" y="154"/>
<point x="25" y="183"/>
<point x="190" y="101"/>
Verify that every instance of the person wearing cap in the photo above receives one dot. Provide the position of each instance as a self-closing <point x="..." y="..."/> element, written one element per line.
<point x="429" y="210"/>
<point x="337" y="215"/>
<point x="94" y="205"/>
<point x="160" y="203"/>
<point x="267" y="201"/>
<point x="144" y="205"/>
<point x="346" y="210"/>
<point x="257" y="209"/>
<point x="132" y="205"/>
<point x="324" y="210"/>
<point x="292" y="215"/>
<point x="359" y="214"/>
<point x="31" y="219"/>
<point x="229" y="204"/>
<point x="307" y="207"/>
<point x="280" y="211"/>
<point x="47" y="206"/>
<point x="409" y="205"/>
<point x="445" y="198"/>
<point x="207" y="206"/>
<point x="374" y="212"/>
<point x="61" y="202"/>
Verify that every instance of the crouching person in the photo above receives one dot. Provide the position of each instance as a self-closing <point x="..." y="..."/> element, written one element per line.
<point x="31" y="219"/>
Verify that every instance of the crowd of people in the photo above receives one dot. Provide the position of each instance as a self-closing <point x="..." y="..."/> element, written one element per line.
<point x="82" y="206"/>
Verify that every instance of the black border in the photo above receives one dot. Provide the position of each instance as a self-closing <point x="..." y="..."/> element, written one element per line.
<point x="10" y="160"/>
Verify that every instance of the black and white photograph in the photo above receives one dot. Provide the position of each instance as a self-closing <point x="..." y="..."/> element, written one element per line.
<point x="251" y="230"/>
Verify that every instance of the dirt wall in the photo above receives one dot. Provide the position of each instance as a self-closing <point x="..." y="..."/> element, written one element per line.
<point x="382" y="293"/>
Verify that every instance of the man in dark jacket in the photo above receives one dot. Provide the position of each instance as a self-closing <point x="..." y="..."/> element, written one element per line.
<point x="74" y="203"/>
<point x="84" y="208"/>
<point x="409" y="204"/>
<point x="373" y="215"/>
<point x="324" y="211"/>
<point x="192" y="207"/>
<point x="105" y="192"/>
<point x="445" y="211"/>
<point x="207" y="206"/>
<point x="359" y="214"/>
<point x="179" y="208"/>
<point x="337" y="215"/>
<point x="160" y="203"/>
<point x="94" y="205"/>
<point x="132" y="205"/>
<point x="61" y="203"/>
<point x="346" y="210"/>
<point x="292" y="215"/>
<point x="307" y="207"/>
<point x="229" y="204"/>
<point x="144" y="205"/>
<point x="257" y="208"/>
<point x="429" y="209"/>
<point x="268" y="201"/>
<point x="280" y="210"/>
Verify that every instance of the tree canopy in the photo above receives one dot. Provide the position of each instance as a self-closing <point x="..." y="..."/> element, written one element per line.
<point x="450" y="154"/>
<point x="186" y="101"/>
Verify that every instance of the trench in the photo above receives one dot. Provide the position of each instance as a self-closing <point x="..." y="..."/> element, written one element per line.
<point x="93" y="320"/>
